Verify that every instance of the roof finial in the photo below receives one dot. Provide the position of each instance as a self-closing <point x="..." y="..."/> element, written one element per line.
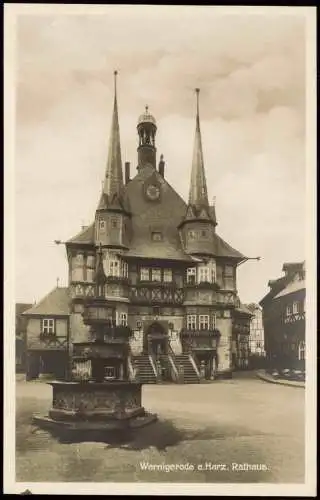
<point x="58" y="279"/>
<point x="115" y="82"/>
<point x="147" y="108"/>
<point x="197" y="93"/>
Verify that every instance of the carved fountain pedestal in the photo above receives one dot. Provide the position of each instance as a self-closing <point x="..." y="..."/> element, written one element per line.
<point x="99" y="397"/>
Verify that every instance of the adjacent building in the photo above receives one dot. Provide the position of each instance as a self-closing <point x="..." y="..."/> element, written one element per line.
<point x="21" y="330"/>
<point x="171" y="277"/>
<point x="256" y="337"/>
<point x="48" y="329"/>
<point x="284" y="318"/>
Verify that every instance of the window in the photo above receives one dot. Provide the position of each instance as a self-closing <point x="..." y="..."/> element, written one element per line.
<point x="114" y="267"/>
<point x="214" y="321"/>
<point x="110" y="372"/>
<point x="228" y="271"/>
<point x="204" y="322"/>
<point x="48" y="326"/>
<point x="114" y="223"/>
<point x="192" y="235"/>
<point x="191" y="275"/>
<point x="191" y="322"/>
<point x="144" y="274"/>
<point x="213" y="276"/>
<point x="102" y="224"/>
<point x="302" y="348"/>
<point x="204" y="233"/>
<point x="156" y="275"/>
<point x="124" y="269"/>
<point x="228" y="277"/>
<point x="123" y="319"/>
<point x="167" y="275"/>
<point x="289" y="310"/>
<point x="295" y="308"/>
<point x="156" y="236"/>
<point x="203" y="274"/>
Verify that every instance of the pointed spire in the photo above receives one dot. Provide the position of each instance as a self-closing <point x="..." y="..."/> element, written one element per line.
<point x="113" y="182"/>
<point x="198" y="194"/>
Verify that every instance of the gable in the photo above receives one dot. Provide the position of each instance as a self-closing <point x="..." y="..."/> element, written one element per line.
<point x="56" y="303"/>
<point x="164" y="214"/>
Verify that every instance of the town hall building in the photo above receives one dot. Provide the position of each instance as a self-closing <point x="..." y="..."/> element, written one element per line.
<point x="161" y="262"/>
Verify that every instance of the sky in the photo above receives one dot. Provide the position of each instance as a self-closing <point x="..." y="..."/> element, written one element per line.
<point x="251" y="73"/>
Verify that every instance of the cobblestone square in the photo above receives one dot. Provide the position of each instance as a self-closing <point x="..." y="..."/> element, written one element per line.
<point x="205" y="433"/>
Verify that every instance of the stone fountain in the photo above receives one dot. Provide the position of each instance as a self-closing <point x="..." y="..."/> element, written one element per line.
<point x="99" y="397"/>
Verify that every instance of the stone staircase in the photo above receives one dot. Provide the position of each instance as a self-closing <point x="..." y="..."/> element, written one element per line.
<point x="189" y="374"/>
<point x="146" y="375"/>
<point x="145" y="372"/>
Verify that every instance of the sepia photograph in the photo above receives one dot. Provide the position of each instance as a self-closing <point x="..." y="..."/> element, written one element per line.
<point x="159" y="326"/>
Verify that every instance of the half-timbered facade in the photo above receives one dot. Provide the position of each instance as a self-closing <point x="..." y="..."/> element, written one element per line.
<point x="170" y="275"/>
<point x="47" y="335"/>
<point x="284" y="318"/>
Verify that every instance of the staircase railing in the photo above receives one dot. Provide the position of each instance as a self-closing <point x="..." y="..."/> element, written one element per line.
<point x="154" y="367"/>
<point x="132" y="370"/>
<point x="174" y="370"/>
<point x="194" y="364"/>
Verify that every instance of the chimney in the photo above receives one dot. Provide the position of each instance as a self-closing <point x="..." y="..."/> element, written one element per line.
<point x="161" y="166"/>
<point x="127" y="172"/>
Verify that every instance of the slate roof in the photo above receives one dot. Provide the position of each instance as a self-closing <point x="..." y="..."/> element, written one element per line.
<point x="148" y="217"/>
<point x="293" y="286"/>
<point x="243" y="309"/>
<point x="86" y="236"/>
<point x="223" y="249"/>
<point x="21" y="307"/>
<point x="56" y="303"/>
<point x="163" y="217"/>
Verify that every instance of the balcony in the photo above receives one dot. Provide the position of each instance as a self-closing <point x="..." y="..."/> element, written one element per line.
<point x="185" y="332"/>
<point x="203" y="285"/>
<point x="293" y="318"/>
<point x="156" y="294"/>
<point x="119" y="280"/>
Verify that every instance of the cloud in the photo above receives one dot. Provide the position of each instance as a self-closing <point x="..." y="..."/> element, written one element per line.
<point x="251" y="71"/>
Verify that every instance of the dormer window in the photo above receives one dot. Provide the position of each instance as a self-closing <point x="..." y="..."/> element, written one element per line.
<point x="156" y="236"/>
<point x="192" y="235"/>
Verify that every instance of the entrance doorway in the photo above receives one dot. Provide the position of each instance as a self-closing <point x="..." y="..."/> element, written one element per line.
<point x="207" y="363"/>
<point x="156" y="341"/>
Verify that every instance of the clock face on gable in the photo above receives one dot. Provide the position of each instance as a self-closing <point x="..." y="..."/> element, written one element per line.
<point x="153" y="192"/>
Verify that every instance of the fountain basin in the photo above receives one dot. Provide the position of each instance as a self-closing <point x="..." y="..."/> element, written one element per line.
<point x="94" y="406"/>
